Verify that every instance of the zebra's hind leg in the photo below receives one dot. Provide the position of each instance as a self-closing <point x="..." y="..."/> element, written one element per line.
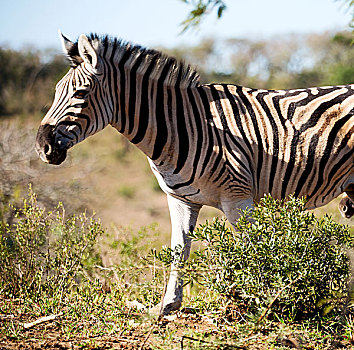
<point x="183" y="219"/>
<point x="346" y="205"/>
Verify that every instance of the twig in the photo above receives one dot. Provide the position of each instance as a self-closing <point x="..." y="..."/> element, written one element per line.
<point x="275" y="298"/>
<point x="147" y="337"/>
<point x="193" y="339"/>
<point x="6" y="317"/>
<point x="41" y="320"/>
<point x="127" y="340"/>
<point x="210" y="344"/>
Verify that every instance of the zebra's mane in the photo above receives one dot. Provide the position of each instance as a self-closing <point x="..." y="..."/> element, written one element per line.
<point x="179" y="73"/>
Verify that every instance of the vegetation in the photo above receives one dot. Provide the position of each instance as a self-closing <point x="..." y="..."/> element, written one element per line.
<point x="202" y="8"/>
<point x="43" y="253"/>
<point x="286" y="257"/>
<point x="282" y="280"/>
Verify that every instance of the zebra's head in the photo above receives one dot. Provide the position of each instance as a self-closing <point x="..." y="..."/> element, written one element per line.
<point x="77" y="108"/>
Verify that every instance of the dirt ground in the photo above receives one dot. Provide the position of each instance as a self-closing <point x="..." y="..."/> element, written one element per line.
<point x="144" y="336"/>
<point x="183" y="330"/>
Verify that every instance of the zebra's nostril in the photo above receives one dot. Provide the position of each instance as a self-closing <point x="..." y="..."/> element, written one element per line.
<point x="47" y="149"/>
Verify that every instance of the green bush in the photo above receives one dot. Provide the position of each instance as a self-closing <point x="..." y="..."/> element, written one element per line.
<point x="44" y="253"/>
<point x="286" y="261"/>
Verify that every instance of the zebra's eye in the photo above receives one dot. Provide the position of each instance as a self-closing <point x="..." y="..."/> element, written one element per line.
<point x="80" y="94"/>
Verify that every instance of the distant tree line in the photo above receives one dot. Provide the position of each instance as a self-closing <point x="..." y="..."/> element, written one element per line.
<point x="283" y="62"/>
<point x="28" y="77"/>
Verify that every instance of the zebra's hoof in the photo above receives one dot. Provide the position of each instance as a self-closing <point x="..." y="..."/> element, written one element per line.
<point x="165" y="310"/>
<point x="346" y="207"/>
<point x="169" y="307"/>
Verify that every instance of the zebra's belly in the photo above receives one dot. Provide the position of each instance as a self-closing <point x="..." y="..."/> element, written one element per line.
<point x="205" y="190"/>
<point x="197" y="192"/>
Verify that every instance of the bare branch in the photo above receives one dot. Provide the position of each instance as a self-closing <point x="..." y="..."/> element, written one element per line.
<point x="41" y="320"/>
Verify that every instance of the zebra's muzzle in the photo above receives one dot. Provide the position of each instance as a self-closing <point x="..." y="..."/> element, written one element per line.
<point x="46" y="147"/>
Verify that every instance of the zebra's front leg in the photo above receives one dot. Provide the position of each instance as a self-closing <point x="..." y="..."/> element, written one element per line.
<point x="183" y="219"/>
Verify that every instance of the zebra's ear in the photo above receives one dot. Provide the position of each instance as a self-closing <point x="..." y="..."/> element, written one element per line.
<point x="71" y="50"/>
<point x="65" y="42"/>
<point x="87" y="51"/>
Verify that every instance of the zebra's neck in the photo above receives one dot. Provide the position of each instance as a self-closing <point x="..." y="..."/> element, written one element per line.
<point x="149" y="90"/>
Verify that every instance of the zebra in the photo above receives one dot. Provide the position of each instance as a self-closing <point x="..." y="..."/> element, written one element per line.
<point x="219" y="145"/>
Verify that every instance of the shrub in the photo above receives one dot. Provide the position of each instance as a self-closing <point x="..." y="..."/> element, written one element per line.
<point x="286" y="260"/>
<point x="43" y="253"/>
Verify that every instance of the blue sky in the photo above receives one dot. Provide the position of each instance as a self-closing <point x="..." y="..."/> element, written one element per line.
<point x="157" y="22"/>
